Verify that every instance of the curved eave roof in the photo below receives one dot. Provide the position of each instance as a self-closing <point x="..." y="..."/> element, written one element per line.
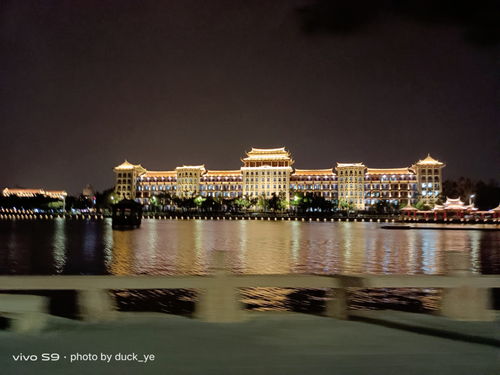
<point x="389" y="171"/>
<point x="236" y="172"/>
<point x="270" y="157"/>
<point x="267" y="154"/>
<point x="160" y="174"/>
<point x="191" y="167"/>
<point x="126" y="165"/>
<point x="344" y="165"/>
<point x="313" y="172"/>
<point x="429" y="160"/>
<point x="268" y="150"/>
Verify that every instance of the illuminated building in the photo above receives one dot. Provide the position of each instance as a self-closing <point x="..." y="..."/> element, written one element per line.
<point x="126" y="179"/>
<point x="270" y="171"/>
<point x="351" y="184"/>
<point x="429" y="172"/>
<point x="28" y="193"/>
<point x="188" y="180"/>
<point x="266" y="172"/>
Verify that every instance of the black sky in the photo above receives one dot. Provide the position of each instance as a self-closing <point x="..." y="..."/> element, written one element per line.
<point x="85" y="84"/>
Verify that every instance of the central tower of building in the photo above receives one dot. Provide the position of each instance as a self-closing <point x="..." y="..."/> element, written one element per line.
<point x="351" y="178"/>
<point x="266" y="171"/>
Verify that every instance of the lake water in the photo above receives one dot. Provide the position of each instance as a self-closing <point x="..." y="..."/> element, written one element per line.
<point x="174" y="247"/>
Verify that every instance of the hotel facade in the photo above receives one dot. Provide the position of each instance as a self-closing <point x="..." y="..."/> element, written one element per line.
<point x="265" y="172"/>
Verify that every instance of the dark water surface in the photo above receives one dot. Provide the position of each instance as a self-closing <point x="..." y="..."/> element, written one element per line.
<point x="172" y="247"/>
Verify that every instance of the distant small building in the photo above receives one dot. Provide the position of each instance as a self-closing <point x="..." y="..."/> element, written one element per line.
<point x="27" y="193"/>
<point x="88" y="191"/>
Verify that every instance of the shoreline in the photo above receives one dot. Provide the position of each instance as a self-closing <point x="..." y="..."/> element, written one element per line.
<point x="260" y="217"/>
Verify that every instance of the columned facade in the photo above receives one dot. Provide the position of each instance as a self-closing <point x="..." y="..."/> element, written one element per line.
<point x="351" y="177"/>
<point x="188" y="180"/>
<point x="266" y="172"/>
<point x="430" y="177"/>
<point x="270" y="171"/>
<point x="126" y="179"/>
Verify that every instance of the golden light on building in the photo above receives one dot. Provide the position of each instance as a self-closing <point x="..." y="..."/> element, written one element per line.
<point x="266" y="172"/>
<point x="352" y="184"/>
<point x="429" y="172"/>
<point x="126" y="175"/>
<point x="270" y="171"/>
<point x="29" y="193"/>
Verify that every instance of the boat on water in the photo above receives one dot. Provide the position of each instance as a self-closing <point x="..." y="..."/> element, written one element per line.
<point x="126" y="214"/>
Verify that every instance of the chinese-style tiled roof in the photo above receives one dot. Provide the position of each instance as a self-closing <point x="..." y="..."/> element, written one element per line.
<point x="236" y="172"/>
<point x="127" y="165"/>
<point x="192" y="167"/>
<point x="344" y="165"/>
<point x="267" y="154"/>
<point x="429" y="160"/>
<point x="160" y="174"/>
<point x="389" y="171"/>
<point x="313" y="172"/>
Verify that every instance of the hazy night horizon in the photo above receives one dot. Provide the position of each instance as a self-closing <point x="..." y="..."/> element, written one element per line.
<point x="86" y="85"/>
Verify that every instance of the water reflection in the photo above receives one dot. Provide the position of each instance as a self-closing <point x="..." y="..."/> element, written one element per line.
<point x="186" y="247"/>
<point x="59" y="245"/>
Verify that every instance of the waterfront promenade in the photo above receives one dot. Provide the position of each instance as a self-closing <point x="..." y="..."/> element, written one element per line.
<point x="266" y="343"/>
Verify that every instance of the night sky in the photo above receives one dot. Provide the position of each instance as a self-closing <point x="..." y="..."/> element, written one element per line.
<point x="86" y="84"/>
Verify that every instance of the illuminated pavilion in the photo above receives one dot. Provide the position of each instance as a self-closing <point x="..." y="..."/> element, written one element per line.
<point x="265" y="172"/>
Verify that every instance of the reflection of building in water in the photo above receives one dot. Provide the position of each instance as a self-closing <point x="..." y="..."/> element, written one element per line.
<point x="375" y="252"/>
<point x="59" y="244"/>
<point x="489" y="253"/>
<point x="475" y="243"/>
<point x="123" y="253"/>
<point x="455" y="240"/>
<point x="297" y="257"/>
<point x="107" y="237"/>
<point x="353" y="248"/>
<point x="429" y="252"/>
<point x="269" y="250"/>
<point x="189" y="259"/>
<point x="145" y="256"/>
<point x="269" y="171"/>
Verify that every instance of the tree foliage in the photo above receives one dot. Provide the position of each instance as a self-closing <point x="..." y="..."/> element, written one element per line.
<point x="484" y="195"/>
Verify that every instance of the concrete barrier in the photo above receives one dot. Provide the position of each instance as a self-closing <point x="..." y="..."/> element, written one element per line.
<point x="466" y="296"/>
<point x="27" y="313"/>
<point x="219" y="303"/>
<point x="453" y="305"/>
